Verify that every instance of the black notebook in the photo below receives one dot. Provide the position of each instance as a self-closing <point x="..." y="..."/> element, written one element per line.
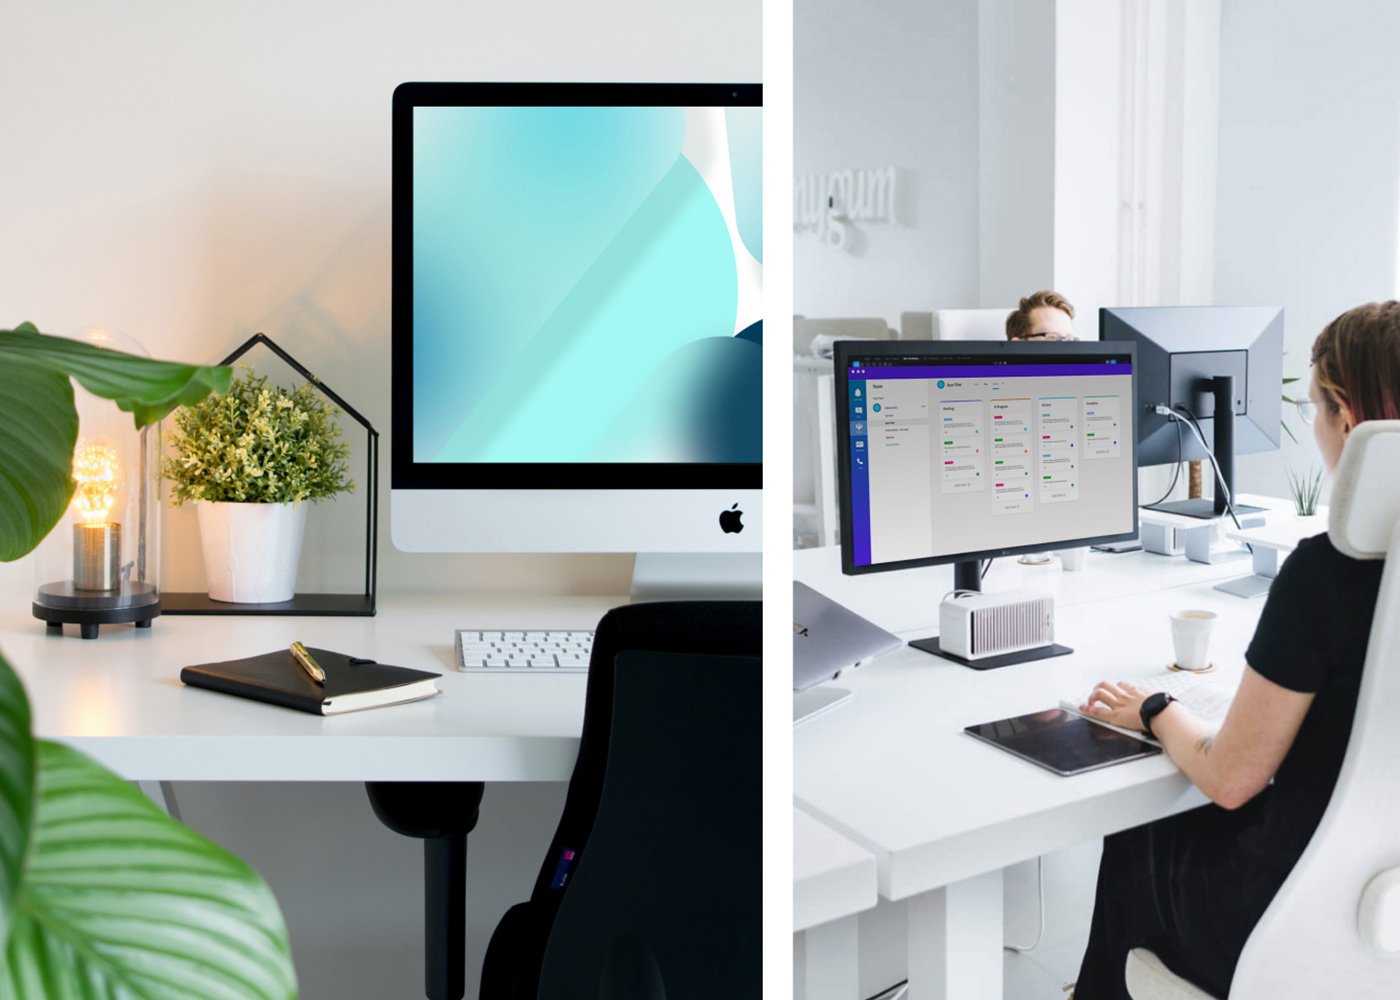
<point x="352" y="684"/>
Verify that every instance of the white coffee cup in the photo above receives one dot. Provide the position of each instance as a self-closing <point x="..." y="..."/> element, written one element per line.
<point x="1191" y="638"/>
<point x="1073" y="559"/>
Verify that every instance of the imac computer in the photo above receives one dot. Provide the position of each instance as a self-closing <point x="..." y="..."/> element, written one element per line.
<point x="1217" y="372"/>
<point x="956" y="452"/>
<point x="577" y="327"/>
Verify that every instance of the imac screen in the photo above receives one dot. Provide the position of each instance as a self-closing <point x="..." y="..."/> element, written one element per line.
<point x="586" y="289"/>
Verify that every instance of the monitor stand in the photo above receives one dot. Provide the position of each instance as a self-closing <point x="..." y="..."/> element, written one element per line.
<point x="1222" y="387"/>
<point x="697" y="576"/>
<point x="1201" y="507"/>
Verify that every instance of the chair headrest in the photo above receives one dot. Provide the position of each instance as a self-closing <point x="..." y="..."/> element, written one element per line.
<point x="1366" y="490"/>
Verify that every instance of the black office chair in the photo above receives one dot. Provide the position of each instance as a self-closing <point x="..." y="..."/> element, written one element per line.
<point x="651" y="889"/>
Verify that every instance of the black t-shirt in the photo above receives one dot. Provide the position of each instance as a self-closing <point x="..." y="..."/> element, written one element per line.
<point x="1311" y="638"/>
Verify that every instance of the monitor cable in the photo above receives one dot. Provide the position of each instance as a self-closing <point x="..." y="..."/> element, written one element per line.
<point x="1195" y="426"/>
<point x="1021" y="949"/>
<point x="1192" y="422"/>
<point x="1176" y="473"/>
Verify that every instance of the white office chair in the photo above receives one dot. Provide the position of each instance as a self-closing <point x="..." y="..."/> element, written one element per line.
<point x="916" y="326"/>
<point x="970" y="324"/>
<point x="1333" y="930"/>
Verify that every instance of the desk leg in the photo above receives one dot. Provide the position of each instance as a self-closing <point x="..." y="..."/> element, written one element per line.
<point x="955" y="941"/>
<point x="162" y="793"/>
<point x="831" y="960"/>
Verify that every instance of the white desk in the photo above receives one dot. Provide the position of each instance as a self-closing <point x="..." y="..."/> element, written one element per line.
<point x="908" y="600"/>
<point x="119" y="698"/>
<point x="833" y="880"/>
<point x="944" y="814"/>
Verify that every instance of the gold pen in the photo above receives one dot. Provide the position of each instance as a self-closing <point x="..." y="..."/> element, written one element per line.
<point x="308" y="664"/>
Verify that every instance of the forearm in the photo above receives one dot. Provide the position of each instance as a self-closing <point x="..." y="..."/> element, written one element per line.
<point x="1189" y="742"/>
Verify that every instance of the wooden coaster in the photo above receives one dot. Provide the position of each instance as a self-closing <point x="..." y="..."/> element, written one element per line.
<point x="1187" y="670"/>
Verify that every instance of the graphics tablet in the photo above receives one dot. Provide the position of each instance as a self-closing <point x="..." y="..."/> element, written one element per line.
<point x="1061" y="741"/>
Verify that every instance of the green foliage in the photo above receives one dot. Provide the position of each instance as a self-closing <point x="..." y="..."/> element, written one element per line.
<point x="39" y="425"/>
<point x="118" y="900"/>
<point x="258" y="444"/>
<point x="1306" y="489"/>
<point x="102" y="896"/>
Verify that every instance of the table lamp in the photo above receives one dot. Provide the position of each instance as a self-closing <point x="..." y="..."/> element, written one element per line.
<point x="99" y="564"/>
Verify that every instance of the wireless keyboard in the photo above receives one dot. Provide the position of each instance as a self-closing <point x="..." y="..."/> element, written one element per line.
<point x="524" y="651"/>
<point x="1205" y="695"/>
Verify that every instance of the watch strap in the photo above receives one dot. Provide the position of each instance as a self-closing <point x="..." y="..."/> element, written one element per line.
<point x="1152" y="706"/>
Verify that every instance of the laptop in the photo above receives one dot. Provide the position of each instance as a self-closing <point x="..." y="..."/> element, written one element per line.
<point x="827" y="638"/>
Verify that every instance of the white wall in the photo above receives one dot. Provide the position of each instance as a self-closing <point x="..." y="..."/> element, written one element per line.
<point x="193" y="173"/>
<point x="1309" y="176"/>
<point x="1087" y="146"/>
<point x="1016" y="149"/>
<point x="890" y="84"/>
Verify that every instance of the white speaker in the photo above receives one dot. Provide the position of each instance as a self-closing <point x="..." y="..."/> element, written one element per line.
<point x="973" y="625"/>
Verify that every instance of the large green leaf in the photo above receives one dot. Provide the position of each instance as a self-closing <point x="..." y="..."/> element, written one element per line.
<point x="38" y="429"/>
<point x="146" y="388"/>
<point x="119" y="901"/>
<point x="16" y="789"/>
<point x="39" y="426"/>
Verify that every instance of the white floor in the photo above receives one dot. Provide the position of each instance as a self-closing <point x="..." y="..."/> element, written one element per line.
<point x="1070" y="875"/>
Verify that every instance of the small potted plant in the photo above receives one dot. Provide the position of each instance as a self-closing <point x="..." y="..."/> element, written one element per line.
<point x="253" y="458"/>
<point x="1307" y="489"/>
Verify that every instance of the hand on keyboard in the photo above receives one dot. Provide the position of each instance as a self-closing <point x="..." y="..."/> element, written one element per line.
<point x="524" y="650"/>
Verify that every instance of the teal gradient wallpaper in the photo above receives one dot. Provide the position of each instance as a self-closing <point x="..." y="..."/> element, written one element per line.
<point x="587" y="284"/>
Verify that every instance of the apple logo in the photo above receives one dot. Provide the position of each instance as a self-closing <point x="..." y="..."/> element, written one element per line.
<point x="731" y="520"/>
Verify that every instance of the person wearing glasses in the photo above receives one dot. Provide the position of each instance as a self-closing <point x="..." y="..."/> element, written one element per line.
<point x="1042" y="315"/>
<point x="1191" y="887"/>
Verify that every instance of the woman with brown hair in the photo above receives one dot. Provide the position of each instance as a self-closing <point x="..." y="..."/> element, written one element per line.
<point x="1191" y="887"/>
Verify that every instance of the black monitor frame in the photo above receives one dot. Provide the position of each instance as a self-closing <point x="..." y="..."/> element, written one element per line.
<point x="1199" y="357"/>
<point x="405" y="471"/>
<point x="967" y="574"/>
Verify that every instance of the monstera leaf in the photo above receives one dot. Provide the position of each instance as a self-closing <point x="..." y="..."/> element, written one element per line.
<point x="39" y="426"/>
<point x="107" y="897"/>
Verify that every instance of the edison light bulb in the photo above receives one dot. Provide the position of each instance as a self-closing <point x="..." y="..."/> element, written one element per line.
<point x="95" y="472"/>
<point x="97" y="540"/>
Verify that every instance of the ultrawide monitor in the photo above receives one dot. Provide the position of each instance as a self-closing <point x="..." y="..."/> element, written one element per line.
<point x="1189" y="359"/>
<point x="960" y="451"/>
<point x="577" y="328"/>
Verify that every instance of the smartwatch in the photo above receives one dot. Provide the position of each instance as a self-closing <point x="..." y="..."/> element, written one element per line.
<point x="1152" y="706"/>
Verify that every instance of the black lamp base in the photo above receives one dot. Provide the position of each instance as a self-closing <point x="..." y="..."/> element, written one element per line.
<point x="60" y="604"/>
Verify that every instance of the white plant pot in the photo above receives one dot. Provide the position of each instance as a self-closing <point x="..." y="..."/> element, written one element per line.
<point x="251" y="550"/>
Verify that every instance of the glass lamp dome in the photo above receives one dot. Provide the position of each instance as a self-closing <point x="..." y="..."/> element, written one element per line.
<point x="99" y="564"/>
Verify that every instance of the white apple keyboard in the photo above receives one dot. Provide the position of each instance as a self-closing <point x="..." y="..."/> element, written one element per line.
<point x="1205" y="695"/>
<point x="524" y="651"/>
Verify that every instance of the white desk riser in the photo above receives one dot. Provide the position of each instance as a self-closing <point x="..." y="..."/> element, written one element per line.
<point x="119" y="697"/>
<point x="944" y="814"/>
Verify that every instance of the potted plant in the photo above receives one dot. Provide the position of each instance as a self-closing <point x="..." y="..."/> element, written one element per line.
<point x="253" y="458"/>
<point x="1306" y="488"/>
<point x="84" y="857"/>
